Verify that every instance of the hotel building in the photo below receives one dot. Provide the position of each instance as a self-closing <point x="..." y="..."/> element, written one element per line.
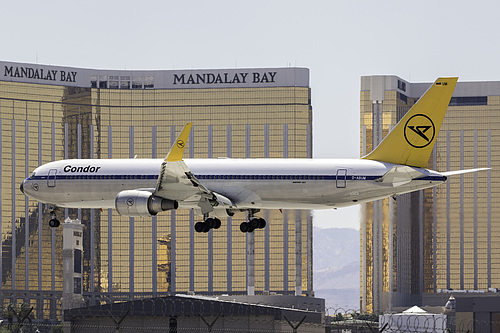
<point x="444" y="238"/>
<point x="51" y="112"/>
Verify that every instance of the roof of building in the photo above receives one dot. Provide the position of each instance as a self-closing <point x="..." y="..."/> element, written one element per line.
<point x="185" y="305"/>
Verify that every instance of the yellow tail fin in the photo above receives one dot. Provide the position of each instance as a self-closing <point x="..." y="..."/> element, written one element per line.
<point x="411" y="141"/>
<point x="177" y="150"/>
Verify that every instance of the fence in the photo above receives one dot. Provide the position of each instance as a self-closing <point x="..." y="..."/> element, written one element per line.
<point x="353" y="321"/>
<point x="183" y="314"/>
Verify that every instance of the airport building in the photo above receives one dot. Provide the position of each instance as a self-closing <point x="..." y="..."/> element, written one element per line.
<point x="441" y="239"/>
<point x="51" y="112"/>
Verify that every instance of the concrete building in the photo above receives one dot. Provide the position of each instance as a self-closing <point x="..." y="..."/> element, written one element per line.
<point x="442" y="238"/>
<point x="52" y="112"/>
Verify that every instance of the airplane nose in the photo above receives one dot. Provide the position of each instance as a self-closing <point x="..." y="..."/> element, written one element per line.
<point x="21" y="187"/>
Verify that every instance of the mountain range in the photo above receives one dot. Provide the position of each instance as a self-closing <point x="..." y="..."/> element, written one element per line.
<point x="336" y="265"/>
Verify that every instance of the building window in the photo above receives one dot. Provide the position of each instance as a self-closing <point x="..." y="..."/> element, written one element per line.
<point x="402" y="97"/>
<point x="149" y="82"/>
<point x="93" y="81"/>
<point x="77" y="287"/>
<point x="137" y="82"/>
<point x="467" y="101"/>
<point x="401" y="85"/>
<point x="124" y="84"/>
<point x="103" y="81"/>
<point x="78" y="261"/>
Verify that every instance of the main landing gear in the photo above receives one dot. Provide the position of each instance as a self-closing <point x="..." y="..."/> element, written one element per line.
<point x="53" y="222"/>
<point x="209" y="223"/>
<point x="214" y="223"/>
<point x="253" y="222"/>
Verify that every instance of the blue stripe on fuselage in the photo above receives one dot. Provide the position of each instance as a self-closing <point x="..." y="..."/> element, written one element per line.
<point x="229" y="177"/>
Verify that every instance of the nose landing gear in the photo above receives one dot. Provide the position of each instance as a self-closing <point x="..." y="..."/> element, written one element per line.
<point x="53" y="222"/>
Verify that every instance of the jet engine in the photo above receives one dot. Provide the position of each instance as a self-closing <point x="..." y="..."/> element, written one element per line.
<point x="142" y="203"/>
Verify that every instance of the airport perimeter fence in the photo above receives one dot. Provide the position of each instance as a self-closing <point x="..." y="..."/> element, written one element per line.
<point x="207" y="315"/>
<point x="111" y="329"/>
<point x="353" y="326"/>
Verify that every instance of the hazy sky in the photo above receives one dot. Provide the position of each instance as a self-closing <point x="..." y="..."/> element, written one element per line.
<point x="339" y="41"/>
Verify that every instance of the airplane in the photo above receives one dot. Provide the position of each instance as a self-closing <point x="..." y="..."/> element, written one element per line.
<point x="221" y="187"/>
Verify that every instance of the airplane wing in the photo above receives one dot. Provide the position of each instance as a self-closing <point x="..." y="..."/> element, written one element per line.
<point x="176" y="181"/>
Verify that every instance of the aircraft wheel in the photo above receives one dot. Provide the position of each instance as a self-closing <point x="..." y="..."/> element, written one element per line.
<point x="218" y="223"/>
<point x="262" y="223"/>
<point x="206" y="228"/>
<point x="54" y="223"/>
<point x="210" y="222"/>
<point x="199" y="226"/>
<point x="244" y="226"/>
<point x="255" y="223"/>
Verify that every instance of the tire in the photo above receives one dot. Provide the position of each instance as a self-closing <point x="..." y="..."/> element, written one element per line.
<point x="54" y="223"/>
<point x="218" y="223"/>
<point x="199" y="226"/>
<point x="244" y="227"/>
<point x="255" y="223"/>
<point x="210" y="222"/>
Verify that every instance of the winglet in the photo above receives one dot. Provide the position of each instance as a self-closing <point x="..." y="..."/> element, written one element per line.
<point x="177" y="150"/>
<point x="411" y="141"/>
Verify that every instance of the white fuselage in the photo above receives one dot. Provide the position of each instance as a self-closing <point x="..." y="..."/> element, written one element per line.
<point x="248" y="183"/>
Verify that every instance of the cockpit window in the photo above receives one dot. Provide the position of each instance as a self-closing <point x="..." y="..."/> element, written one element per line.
<point x="32" y="175"/>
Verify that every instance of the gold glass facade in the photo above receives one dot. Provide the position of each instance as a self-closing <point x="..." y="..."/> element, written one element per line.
<point x="130" y="257"/>
<point x="442" y="238"/>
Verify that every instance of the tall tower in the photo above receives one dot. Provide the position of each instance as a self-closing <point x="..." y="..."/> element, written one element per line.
<point x="72" y="296"/>
<point x="441" y="238"/>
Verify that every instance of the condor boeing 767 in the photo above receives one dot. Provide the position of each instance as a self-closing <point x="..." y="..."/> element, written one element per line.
<point x="221" y="187"/>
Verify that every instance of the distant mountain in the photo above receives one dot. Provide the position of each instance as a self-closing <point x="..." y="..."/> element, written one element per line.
<point x="336" y="267"/>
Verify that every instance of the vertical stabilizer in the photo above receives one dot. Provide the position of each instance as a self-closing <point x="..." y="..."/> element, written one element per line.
<point x="177" y="150"/>
<point x="411" y="141"/>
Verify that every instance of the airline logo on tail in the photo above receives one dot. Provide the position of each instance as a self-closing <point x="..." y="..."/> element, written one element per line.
<point x="419" y="127"/>
<point x="180" y="144"/>
<point x="418" y="135"/>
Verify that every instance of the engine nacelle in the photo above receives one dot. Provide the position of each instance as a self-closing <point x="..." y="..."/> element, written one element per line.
<point x="142" y="203"/>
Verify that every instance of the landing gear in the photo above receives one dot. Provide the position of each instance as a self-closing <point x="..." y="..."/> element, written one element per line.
<point x="214" y="223"/>
<point x="53" y="222"/>
<point x="253" y="222"/>
<point x="209" y="223"/>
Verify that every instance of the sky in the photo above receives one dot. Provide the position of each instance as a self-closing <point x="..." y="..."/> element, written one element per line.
<point x="339" y="41"/>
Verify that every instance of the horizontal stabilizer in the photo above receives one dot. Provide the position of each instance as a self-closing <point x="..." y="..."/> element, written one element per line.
<point x="400" y="175"/>
<point x="459" y="172"/>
